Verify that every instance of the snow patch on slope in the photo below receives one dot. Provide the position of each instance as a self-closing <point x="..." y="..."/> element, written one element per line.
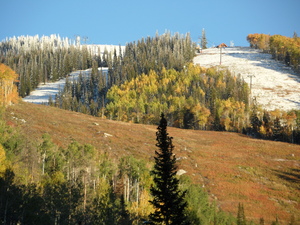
<point x="43" y="92"/>
<point x="274" y="85"/>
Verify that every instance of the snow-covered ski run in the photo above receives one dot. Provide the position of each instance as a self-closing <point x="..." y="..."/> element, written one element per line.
<point x="274" y="85"/>
<point x="43" y="92"/>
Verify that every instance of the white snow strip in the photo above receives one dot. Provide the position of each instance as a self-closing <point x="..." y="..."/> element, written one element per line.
<point x="274" y="85"/>
<point x="43" y="92"/>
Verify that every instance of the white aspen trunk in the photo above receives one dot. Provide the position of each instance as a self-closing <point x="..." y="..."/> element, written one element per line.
<point x="68" y="171"/>
<point x="137" y="192"/>
<point x="128" y="189"/>
<point x="125" y="192"/>
<point x="44" y="157"/>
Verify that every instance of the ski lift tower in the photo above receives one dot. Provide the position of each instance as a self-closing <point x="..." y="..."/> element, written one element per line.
<point x="220" y="46"/>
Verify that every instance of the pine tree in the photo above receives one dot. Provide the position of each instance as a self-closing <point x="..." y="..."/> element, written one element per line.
<point x="295" y="35"/>
<point x="255" y="121"/>
<point x="267" y="124"/>
<point x="168" y="200"/>
<point x="203" y="40"/>
<point x="277" y="129"/>
<point x="276" y="222"/>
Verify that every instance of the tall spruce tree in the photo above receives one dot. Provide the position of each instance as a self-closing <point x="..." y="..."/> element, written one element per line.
<point x="168" y="200"/>
<point x="203" y="40"/>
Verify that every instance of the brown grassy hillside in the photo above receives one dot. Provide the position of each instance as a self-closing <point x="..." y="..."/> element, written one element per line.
<point x="263" y="175"/>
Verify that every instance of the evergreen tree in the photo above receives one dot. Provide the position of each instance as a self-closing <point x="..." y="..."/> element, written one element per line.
<point x="203" y="40"/>
<point x="277" y="130"/>
<point x="295" y="35"/>
<point x="276" y="222"/>
<point x="10" y="199"/>
<point x="267" y="125"/>
<point x="261" y="221"/>
<point x="255" y="121"/>
<point x="168" y="200"/>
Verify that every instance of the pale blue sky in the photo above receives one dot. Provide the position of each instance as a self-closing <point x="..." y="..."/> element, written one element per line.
<point x="120" y="22"/>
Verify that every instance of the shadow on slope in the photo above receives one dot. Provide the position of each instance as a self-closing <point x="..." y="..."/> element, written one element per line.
<point x="265" y="60"/>
<point x="292" y="176"/>
<point x="296" y="102"/>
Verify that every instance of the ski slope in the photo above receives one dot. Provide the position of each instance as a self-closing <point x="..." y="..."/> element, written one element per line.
<point x="43" y="92"/>
<point x="274" y="85"/>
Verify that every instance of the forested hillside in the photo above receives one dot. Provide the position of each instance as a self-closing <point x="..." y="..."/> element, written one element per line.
<point x="88" y="95"/>
<point x="193" y="98"/>
<point x="72" y="168"/>
<point x="43" y="181"/>
<point x="39" y="60"/>
<point x="190" y="96"/>
<point x="150" y="76"/>
<point x="155" y="76"/>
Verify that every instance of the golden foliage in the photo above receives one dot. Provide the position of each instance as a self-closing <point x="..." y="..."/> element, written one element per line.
<point x="281" y="47"/>
<point x="8" y="91"/>
<point x="177" y="93"/>
<point x="2" y="159"/>
<point x="142" y="208"/>
<point x="260" y="41"/>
